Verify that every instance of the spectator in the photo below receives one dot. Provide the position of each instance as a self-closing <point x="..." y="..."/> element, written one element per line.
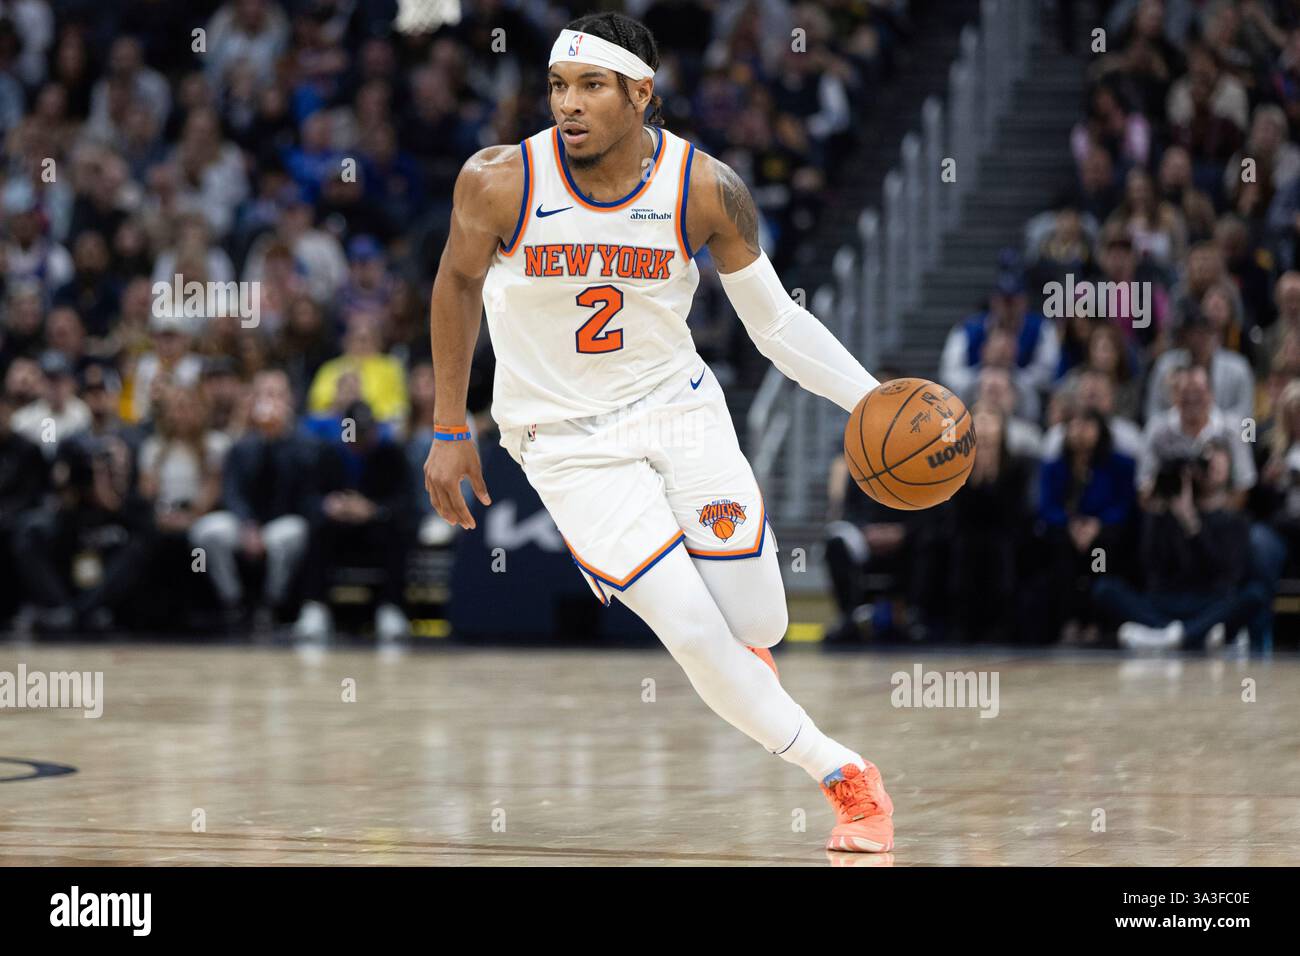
<point x="1065" y="250"/>
<point x="169" y="363"/>
<point x="1110" y="125"/>
<point x="1195" y="552"/>
<point x="316" y="255"/>
<point x="65" y="334"/>
<point x="1022" y="436"/>
<point x="392" y="177"/>
<point x="1093" y="390"/>
<point x="93" y="291"/>
<point x="984" y="570"/>
<point x="129" y="76"/>
<point x="383" y="381"/>
<point x="1006" y="335"/>
<point x="350" y="213"/>
<point x="1182" y="432"/>
<point x="871" y="552"/>
<point x="1155" y="226"/>
<point x="1221" y="307"/>
<point x="1284" y="79"/>
<point x="212" y="177"/>
<point x="24" y="382"/>
<point x="29" y="254"/>
<point x="1110" y="356"/>
<point x="1286" y="293"/>
<point x="269" y="495"/>
<point x="365" y="513"/>
<point x="1208" y="112"/>
<point x="81" y="556"/>
<point x="304" y="345"/>
<point x="1179" y="190"/>
<point x="224" y="397"/>
<point x="1147" y="59"/>
<point x="59" y="414"/>
<point x="1232" y="380"/>
<point x="1095" y="194"/>
<point x="193" y="245"/>
<point x="1250" y="269"/>
<point x="1205" y="266"/>
<point x="1121" y="265"/>
<point x="1276" y="160"/>
<point x="20" y="336"/>
<point x="180" y="464"/>
<point x="1086" y="498"/>
<point x="1279" y="480"/>
<point x="369" y="286"/>
<point x="24" y="477"/>
<point x="250" y="32"/>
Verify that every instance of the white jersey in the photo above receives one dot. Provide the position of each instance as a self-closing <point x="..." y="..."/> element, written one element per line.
<point x="587" y="303"/>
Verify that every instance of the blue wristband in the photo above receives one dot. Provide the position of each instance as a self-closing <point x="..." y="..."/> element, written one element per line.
<point x="451" y="433"/>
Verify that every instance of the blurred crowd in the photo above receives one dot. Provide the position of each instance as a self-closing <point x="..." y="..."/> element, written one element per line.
<point x="309" y="147"/>
<point x="1138" y="475"/>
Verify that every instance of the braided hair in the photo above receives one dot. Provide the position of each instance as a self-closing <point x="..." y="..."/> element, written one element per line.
<point x="631" y="35"/>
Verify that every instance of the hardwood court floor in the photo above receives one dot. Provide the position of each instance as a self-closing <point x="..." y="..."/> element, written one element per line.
<point x="550" y="758"/>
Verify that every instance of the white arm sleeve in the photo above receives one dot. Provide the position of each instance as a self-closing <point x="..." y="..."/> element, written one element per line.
<point x="791" y="337"/>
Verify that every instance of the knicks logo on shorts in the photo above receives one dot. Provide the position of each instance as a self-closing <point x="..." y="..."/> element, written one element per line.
<point x="722" y="515"/>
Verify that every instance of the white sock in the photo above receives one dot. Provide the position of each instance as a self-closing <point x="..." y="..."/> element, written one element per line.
<point x="817" y="754"/>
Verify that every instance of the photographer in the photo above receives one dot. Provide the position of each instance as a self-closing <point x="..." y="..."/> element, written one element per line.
<point x="1184" y="430"/>
<point x="79" y="555"/>
<point x="1195" y="552"/>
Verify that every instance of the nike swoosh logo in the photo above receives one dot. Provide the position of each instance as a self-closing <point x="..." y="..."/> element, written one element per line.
<point x="549" y="212"/>
<point x="696" y="382"/>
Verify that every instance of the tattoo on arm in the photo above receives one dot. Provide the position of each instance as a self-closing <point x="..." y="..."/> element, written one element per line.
<point x="738" y="205"/>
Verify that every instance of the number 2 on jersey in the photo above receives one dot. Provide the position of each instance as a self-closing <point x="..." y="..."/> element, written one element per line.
<point x="591" y="336"/>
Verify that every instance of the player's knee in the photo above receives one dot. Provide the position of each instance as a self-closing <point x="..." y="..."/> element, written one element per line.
<point x="765" y="626"/>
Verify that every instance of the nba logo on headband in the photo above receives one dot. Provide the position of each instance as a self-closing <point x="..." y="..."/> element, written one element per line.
<point x="598" y="52"/>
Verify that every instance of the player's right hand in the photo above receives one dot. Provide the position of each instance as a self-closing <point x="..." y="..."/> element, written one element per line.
<point x="448" y="463"/>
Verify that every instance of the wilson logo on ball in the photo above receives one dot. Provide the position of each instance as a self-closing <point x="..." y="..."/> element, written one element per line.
<point x="962" y="446"/>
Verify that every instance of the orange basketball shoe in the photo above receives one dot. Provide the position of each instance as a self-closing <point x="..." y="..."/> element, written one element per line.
<point x="863" y="811"/>
<point x="764" y="655"/>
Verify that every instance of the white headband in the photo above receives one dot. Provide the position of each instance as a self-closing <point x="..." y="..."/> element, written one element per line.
<point x="574" y="47"/>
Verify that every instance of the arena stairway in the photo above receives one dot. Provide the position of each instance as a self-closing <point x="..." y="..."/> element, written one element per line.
<point x="881" y="120"/>
<point x="1028" y="166"/>
<point x="1023" y="170"/>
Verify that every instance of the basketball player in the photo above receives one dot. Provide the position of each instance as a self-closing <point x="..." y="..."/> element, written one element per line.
<point x="580" y="244"/>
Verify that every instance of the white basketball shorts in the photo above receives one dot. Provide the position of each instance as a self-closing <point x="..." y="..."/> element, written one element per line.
<point x="627" y="487"/>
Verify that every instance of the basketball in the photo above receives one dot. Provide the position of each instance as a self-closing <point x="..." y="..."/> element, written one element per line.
<point x="910" y="444"/>
<point x="724" y="528"/>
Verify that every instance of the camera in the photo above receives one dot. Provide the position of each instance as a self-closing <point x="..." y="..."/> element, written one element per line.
<point x="1169" y="479"/>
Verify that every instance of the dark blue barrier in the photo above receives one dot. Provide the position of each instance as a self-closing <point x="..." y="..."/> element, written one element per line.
<point x="537" y="594"/>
